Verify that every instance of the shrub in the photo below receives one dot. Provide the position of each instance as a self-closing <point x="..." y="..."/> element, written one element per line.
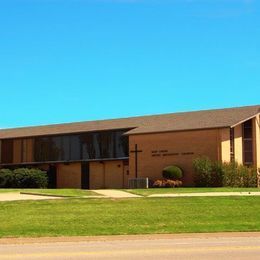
<point x="30" y="178"/>
<point x="229" y="177"/>
<point x="169" y="183"/>
<point x="6" y="178"/>
<point x="217" y="174"/>
<point x="236" y="175"/>
<point x="172" y="173"/>
<point x="203" y="171"/>
<point x="207" y="173"/>
<point x="158" y="184"/>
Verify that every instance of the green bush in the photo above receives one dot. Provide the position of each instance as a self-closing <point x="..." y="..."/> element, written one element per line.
<point x="172" y="173"/>
<point x="203" y="171"/>
<point x="207" y="173"/>
<point x="23" y="178"/>
<point x="229" y="170"/>
<point x="216" y="174"/>
<point x="6" y="178"/>
<point x="30" y="178"/>
<point x="236" y="175"/>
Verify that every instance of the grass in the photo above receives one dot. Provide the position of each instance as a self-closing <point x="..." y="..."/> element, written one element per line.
<point x="8" y="190"/>
<point x="73" y="217"/>
<point x="147" y="192"/>
<point x="62" y="192"/>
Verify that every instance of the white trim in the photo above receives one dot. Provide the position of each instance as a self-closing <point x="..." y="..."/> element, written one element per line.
<point x="244" y="120"/>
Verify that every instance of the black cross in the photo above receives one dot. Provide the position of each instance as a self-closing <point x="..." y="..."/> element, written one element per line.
<point x="136" y="151"/>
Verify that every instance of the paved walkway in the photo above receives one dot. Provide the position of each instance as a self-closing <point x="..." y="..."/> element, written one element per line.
<point x="11" y="196"/>
<point x="107" y="194"/>
<point x="205" y="194"/>
<point x="116" y="194"/>
<point x="123" y="194"/>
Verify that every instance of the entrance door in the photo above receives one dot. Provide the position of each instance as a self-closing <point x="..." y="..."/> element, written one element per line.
<point x="52" y="177"/>
<point x="106" y="175"/>
<point x="85" y="175"/>
<point x="114" y="175"/>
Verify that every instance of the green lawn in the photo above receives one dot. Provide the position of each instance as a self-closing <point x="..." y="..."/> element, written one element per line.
<point x="147" y="192"/>
<point x="62" y="192"/>
<point x="8" y="190"/>
<point x="73" y="217"/>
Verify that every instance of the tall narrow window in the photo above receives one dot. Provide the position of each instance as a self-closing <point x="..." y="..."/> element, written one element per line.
<point x="232" y="145"/>
<point x="7" y="151"/>
<point x="248" y="142"/>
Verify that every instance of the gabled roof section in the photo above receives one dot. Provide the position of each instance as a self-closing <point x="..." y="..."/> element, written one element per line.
<point x="203" y="119"/>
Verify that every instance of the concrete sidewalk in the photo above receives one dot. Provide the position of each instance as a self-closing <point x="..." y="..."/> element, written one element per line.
<point x="204" y="194"/>
<point x="107" y="193"/>
<point x="116" y="194"/>
<point x="12" y="196"/>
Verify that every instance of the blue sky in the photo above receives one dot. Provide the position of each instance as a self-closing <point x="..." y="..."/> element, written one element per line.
<point x="76" y="60"/>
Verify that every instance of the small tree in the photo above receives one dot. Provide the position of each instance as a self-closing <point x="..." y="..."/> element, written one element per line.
<point x="203" y="170"/>
<point x="172" y="173"/>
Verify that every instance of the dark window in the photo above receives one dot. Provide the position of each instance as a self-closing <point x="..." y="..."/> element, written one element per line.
<point x="65" y="148"/>
<point x="106" y="147"/>
<point x="247" y="132"/>
<point x="7" y="151"/>
<point x="24" y="150"/>
<point x="88" y="149"/>
<point x="55" y="149"/>
<point x="96" y="145"/>
<point x="42" y="148"/>
<point x="87" y="146"/>
<point x="248" y="142"/>
<point x="232" y="145"/>
<point x="75" y="148"/>
<point x="121" y="144"/>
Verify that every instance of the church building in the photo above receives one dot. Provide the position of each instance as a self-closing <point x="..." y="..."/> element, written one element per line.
<point x="107" y="153"/>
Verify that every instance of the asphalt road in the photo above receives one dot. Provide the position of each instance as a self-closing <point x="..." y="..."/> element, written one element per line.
<point x="220" y="247"/>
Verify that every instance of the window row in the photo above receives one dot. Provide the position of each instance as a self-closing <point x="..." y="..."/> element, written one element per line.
<point x="86" y="146"/>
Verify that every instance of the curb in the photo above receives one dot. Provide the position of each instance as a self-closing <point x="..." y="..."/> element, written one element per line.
<point x="46" y="195"/>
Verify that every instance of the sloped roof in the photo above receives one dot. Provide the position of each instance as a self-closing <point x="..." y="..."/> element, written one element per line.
<point x="204" y="119"/>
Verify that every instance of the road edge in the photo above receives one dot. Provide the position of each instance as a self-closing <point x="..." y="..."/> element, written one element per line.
<point x="32" y="240"/>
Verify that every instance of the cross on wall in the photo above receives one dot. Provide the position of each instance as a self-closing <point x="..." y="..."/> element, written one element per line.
<point x="136" y="152"/>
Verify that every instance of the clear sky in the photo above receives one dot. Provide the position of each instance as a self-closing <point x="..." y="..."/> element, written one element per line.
<point x="76" y="60"/>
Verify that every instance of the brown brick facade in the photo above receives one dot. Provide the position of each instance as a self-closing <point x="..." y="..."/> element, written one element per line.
<point x="177" y="148"/>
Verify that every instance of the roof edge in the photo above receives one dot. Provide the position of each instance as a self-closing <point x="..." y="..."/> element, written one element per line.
<point x="175" y="131"/>
<point x="120" y="118"/>
<point x="244" y="120"/>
